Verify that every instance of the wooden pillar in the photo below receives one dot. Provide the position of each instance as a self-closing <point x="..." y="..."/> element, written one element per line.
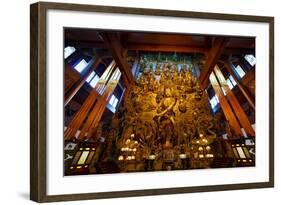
<point x="244" y="91"/>
<point x="117" y="51"/>
<point x="211" y="61"/>
<point x="77" y="121"/>
<point x="74" y="89"/>
<point x="229" y="115"/>
<point x="238" y="110"/>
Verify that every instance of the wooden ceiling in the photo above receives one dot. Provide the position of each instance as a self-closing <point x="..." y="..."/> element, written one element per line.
<point x="158" y="42"/>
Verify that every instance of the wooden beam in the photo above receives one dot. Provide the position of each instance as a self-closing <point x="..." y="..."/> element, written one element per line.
<point x="238" y="51"/>
<point x="80" y="116"/>
<point x="114" y="45"/>
<point x="167" y="48"/>
<point x="74" y="89"/>
<point x="211" y="61"/>
<point x="238" y="110"/>
<point x="241" y="86"/>
<point x="95" y="116"/>
<point x="228" y="113"/>
<point x="161" y="47"/>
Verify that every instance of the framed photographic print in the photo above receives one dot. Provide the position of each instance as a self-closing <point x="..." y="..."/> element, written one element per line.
<point x="134" y="102"/>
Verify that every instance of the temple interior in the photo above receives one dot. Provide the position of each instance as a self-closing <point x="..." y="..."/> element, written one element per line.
<point x="140" y="101"/>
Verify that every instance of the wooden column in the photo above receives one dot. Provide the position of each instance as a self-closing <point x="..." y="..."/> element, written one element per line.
<point x="114" y="45"/>
<point x="75" y="88"/>
<point x="241" y="86"/>
<point x="211" y="61"/>
<point x="240" y="114"/>
<point x="229" y="115"/>
<point x="77" y="121"/>
<point x="97" y="112"/>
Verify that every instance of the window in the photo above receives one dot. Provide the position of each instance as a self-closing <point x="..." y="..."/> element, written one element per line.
<point x="91" y="77"/>
<point x="83" y="157"/>
<point x="214" y="102"/>
<point x="231" y="82"/>
<point x="81" y="65"/>
<point x="240" y="71"/>
<point x="241" y="153"/>
<point x="113" y="101"/>
<point x="68" y="51"/>
<point x="250" y="59"/>
<point x="95" y="81"/>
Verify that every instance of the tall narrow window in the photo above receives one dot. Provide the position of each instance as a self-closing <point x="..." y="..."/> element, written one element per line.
<point x="81" y="65"/>
<point x="231" y="82"/>
<point x="113" y="101"/>
<point x="95" y="81"/>
<point x="240" y="71"/>
<point x="88" y="80"/>
<point x="68" y="51"/>
<point x="250" y="59"/>
<point x="214" y="102"/>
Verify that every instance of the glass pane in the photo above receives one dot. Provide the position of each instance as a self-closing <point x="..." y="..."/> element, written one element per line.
<point x="95" y="81"/>
<point x="68" y="51"/>
<point x="90" y="77"/>
<point x="90" y="157"/>
<point x="115" y="102"/>
<point x="112" y="100"/>
<point x="213" y="102"/>
<point x="240" y="71"/>
<point x="83" y="157"/>
<point x="81" y="66"/>
<point x="250" y="59"/>
<point x="116" y="75"/>
<point x="232" y="80"/>
<point x="241" y="153"/>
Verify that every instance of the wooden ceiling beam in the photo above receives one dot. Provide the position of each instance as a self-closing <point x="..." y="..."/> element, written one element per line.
<point x="211" y="60"/>
<point x="86" y="44"/>
<point x="112" y="42"/>
<point x="162" y="48"/>
<point x="238" y="51"/>
<point x="167" y="48"/>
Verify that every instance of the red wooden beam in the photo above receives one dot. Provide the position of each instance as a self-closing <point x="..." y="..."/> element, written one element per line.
<point x="167" y="48"/>
<point x="114" y="45"/>
<point x="211" y="61"/>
